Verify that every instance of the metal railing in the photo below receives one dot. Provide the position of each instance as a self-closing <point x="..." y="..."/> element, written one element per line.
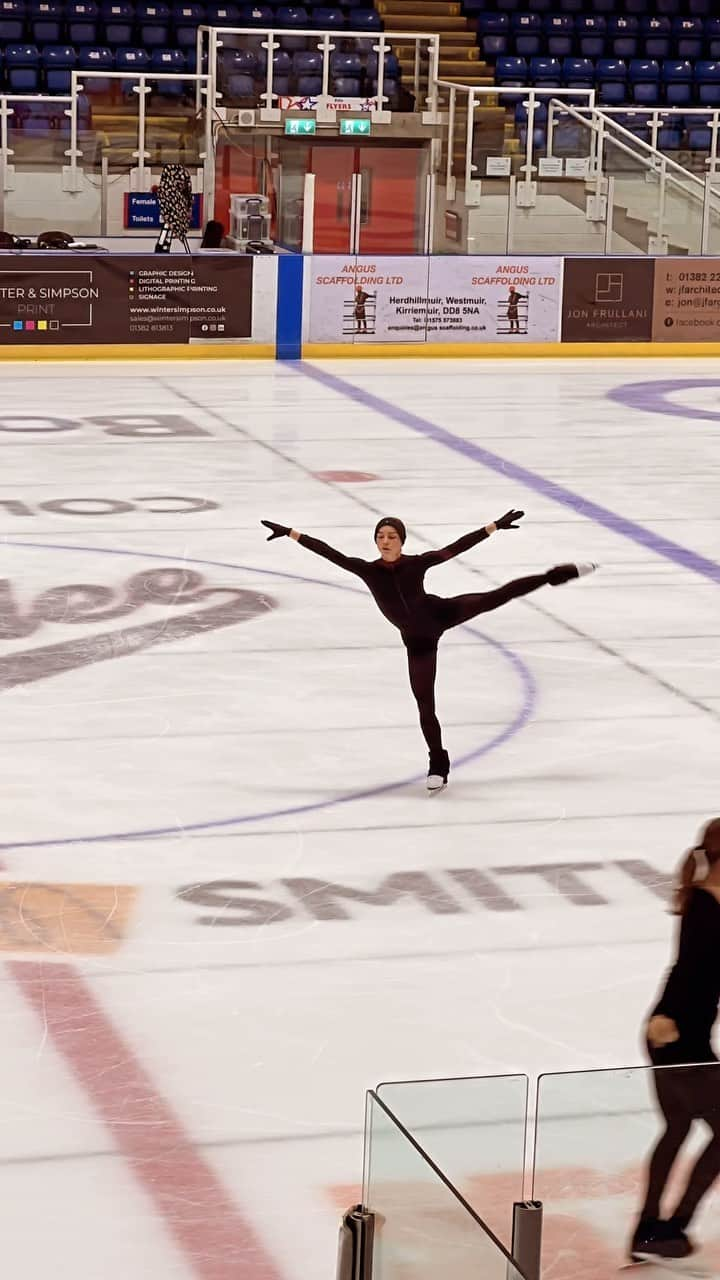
<point x="211" y="40"/>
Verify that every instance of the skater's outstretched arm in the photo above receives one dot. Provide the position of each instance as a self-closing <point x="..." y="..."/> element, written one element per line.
<point x="353" y="564"/>
<point x="468" y="540"/>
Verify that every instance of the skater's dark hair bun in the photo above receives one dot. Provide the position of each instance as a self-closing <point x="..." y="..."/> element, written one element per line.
<point x="696" y="865"/>
<point x="395" y="524"/>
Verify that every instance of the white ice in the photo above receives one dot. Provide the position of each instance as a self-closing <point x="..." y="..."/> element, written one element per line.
<point x="182" y="1027"/>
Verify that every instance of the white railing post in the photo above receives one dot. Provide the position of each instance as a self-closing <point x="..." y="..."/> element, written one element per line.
<point x="705" y="232"/>
<point x="433" y="76"/>
<point x="142" y="154"/>
<point x="659" y="243"/>
<point x="211" y="85"/>
<point x="550" y="127"/>
<point x="7" y="170"/>
<point x="469" y="129"/>
<point x="449" y="159"/>
<point x="714" y="125"/>
<point x="199" y="40"/>
<point x="380" y="114"/>
<point x="609" y="214"/>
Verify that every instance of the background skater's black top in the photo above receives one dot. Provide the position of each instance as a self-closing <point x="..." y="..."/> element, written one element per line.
<point x="398" y="588"/>
<point x="692" y="990"/>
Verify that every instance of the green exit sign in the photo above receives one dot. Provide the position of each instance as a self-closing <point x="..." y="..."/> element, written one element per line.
<point x="355" y="126"/>
<point x="298" y="127"/>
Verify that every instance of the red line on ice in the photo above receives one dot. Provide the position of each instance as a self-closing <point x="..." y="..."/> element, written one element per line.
<point x="191" y="1200"/>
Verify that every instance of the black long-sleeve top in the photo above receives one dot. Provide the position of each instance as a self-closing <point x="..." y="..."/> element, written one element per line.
<point x="692" y="990"/>
<point x="398" y="587"/>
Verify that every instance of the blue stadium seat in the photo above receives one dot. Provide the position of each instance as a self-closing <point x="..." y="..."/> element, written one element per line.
<point x="58" y="61"/>
<point x="655" y="34"/>
<point x="711" y="27"/>
<point x="282" y="66"/>
<point x="591" y="29"/>
<point x="605" y="7"/>
<point x="46" y="22"/>
<point x="611" y="76"/>
<point x="707" y="79"/>
<point x="527" y="32"/>
<point x="129" y="59"/>
<point x="559" y="34"/>
<point x="539" y="137"/>
<point x="12" y="21"/>
<point x="22" y="63"/>
<point x="699" y="8"/>
<point x="295" y="17"/>
<point x="677" y="75"/>
<point x="511" y="71"/>
<point x="669" y="137"/>
<point x="365" y="20"/>
<point x="571" y="6"/>
<point x="153" y="25"/>
<point x="96" y="58"/>
<point x="623" y="34"/>
<point x="236" y="68"/>
<point x="82" y="22"/>
<point x="166" y="62"/>
<point x="493" y="30"/>
<point x="644" y="77"/>
<point x="507" y="6"/>
<point x="636" y="7"/>
<point x="392" y="66"/>
<point x="307" y="69"/>
<point x="522" y="113"/>
<point x="578" y="73"/>
<point x="327" y="19"/>
<point x="346" y="73"/>
<point x="223" y="15"/>
<point x="546" y="72"/>
<point x="118" y="23"/>
<point x="186" y="19"/>
<point x="668" y="7"/>
<point x="688" y="34"/>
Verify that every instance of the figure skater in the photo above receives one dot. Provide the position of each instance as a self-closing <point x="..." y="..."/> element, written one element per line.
<point x="396" y="583"/>
<point x="679" y="1032"/>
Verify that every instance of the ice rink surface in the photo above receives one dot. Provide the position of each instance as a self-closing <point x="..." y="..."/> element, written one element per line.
<point x="229" y="906"/>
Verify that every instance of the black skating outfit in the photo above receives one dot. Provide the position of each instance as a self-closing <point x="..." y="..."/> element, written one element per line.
<point x="688" y="1093"/>
<point x="399" y="592"/>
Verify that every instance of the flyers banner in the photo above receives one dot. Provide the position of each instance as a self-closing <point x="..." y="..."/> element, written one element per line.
<point x="607" y="300"/>
<point x="442" y="299"/>
<point x="686" y="306"/>
<point x="73" y="298"/>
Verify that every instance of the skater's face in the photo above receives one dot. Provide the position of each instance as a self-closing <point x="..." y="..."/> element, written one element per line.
<point x="388" y="543"/>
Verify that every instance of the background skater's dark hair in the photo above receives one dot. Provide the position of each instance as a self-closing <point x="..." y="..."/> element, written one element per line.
<point x="696" y="865"/>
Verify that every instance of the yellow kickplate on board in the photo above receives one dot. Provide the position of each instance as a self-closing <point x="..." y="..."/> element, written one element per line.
<point x="64" y="919"/>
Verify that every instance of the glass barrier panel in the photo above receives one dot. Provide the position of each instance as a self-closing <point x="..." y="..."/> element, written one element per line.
<point x="645" y="208"/>
<point x="595" y="1131"/>
<point x="474" y="1129"/>
<point x="423" y="1226"/>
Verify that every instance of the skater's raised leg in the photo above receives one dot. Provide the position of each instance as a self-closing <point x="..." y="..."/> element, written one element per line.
<point x="461" y="609"/>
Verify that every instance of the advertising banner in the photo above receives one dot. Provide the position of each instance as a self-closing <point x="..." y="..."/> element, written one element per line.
<point x="367" y="300"/>
<point x="72" y="298"/>
<point x="494" y="300"/>
<point x="607" y="300"/>
<point x="442" y="299"/>
<point x="686" y="305"/>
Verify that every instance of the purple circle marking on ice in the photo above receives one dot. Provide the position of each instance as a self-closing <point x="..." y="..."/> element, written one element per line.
<point x="518" y="722"/>
<point x="653" y="397"/>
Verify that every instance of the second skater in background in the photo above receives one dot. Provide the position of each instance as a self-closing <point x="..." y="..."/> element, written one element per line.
<point x="396" y="582"/>
<point x="678" y="1034"/>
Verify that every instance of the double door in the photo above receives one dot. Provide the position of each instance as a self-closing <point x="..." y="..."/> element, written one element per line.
<point x="347" y="199"/>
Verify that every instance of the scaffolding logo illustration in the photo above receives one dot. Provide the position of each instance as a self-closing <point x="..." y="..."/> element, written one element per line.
<point x="609" y="286"/>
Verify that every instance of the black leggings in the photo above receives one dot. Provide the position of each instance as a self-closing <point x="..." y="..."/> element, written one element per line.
<point x="685" y="1094"/>
<point x="422" y="652"/>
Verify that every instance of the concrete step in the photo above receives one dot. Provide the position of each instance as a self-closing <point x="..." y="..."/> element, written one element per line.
<point x="456" y="53"/>
<point x="420" y="8"/>
<point x="410" y="22"/>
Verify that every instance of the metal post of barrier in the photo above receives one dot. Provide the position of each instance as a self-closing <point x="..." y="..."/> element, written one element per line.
<point x="705" y="232"/>
<point x="609" y="214"/>
<point x="450" y="183"/>
<point x="713" y="159"/>
<point x="7" y="170"/>
<point x="659" y="243"/>
<point x="416" y="76"/>
<point x="527" y="1237"/>
<point x="510" y="224"/>
<point x="72" y="178"/>
<point x="199" y="42"/>
<point x="380" y="114"/>
<point x="550" y="128"/>
<point x="469" y="129"/>
<point x="138" y="179"/>
<point x="526" y="190"/>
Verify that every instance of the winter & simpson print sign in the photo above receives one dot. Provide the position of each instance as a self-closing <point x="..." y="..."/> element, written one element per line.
<point x="443" y="299"/>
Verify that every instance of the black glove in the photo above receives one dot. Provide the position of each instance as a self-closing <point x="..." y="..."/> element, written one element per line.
<point x="508" y="521"/>
<point x="278" y="530"/>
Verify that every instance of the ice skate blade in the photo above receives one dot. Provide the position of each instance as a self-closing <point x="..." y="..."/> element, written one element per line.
<point x="435" y="784"/>
<point x="688" y="1268"/>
